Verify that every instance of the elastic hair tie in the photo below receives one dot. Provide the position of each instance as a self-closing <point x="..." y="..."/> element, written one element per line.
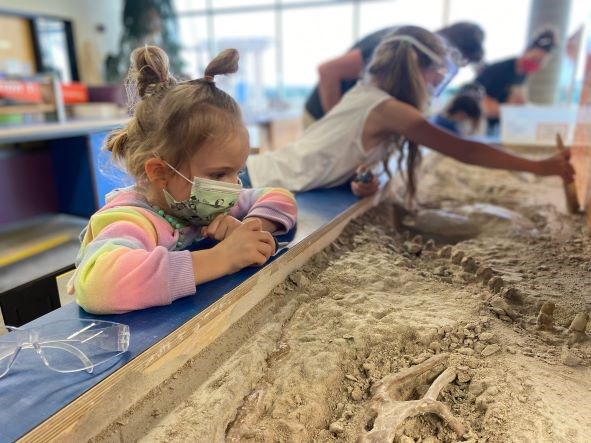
<point x="208" y="78"/>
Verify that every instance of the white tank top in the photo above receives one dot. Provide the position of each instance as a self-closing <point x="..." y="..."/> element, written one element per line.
<point x="330" y="150"/>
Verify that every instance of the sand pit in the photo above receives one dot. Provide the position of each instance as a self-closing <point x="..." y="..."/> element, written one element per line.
<point x="387" y="335"/>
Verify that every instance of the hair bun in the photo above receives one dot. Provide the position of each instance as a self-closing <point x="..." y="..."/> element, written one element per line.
<point x="226" y="62"/>
<point x="149" y="70"/>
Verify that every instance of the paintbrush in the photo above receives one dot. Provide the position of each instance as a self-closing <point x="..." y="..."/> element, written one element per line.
<point x="570" y="190"/>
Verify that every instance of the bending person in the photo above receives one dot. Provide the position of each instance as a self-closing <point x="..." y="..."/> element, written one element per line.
<point x="338" y="75"/>
<point x="382" y="114"/>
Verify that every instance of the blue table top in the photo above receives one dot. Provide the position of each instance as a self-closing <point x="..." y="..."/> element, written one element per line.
<point x="30" y="393"/>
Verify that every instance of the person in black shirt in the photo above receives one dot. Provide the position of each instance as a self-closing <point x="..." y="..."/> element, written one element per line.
<point x="338" y="75"/>
<point x="503" y="81"/>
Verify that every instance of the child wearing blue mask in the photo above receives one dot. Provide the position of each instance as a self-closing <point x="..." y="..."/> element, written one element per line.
<point x="463" y="112"/>
<point x="185" y="146"/>
<point x="383" y="113"/>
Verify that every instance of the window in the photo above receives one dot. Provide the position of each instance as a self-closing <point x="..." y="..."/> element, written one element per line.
<point x="304" y="51"/>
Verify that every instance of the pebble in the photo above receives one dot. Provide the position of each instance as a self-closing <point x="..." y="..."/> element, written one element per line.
<point x="463" y="373"/>
<point x="466" y="351"/>
<point x="478" y="347"/>
<point x="300" y="280"/>
<point x="417" y="239"/>
<point x="492" y="391"/>
<point x="350" y="377"/>
<point x="279" y="290"/>
<point x="445" y="252"/>
<point x="579" y="323"/>
<point x="457" y="257"/>
<point x="430" y="245"/>
<point x="406" y="439"/>
<point x="569" y="359"/>
<point x="336" y="428"/>
<point x="490" y="350"/>
<point x="476" y="388"/>
<point x="412" y="248"/>
<point x="513" y="294"/>
<point x="469" y="264"/>
<point x="484" y="274"/>
<point x="487" y="337"/>
<point x="356" y="394"/>
<point x="441" y="271"/>
<point x="496" y="284"/>
<point x="435" y="347"/>
<point x="348" y="337"/>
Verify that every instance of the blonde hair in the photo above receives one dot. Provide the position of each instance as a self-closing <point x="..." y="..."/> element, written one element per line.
<point x="172" y="119"/>
<point x="396" y="68"/>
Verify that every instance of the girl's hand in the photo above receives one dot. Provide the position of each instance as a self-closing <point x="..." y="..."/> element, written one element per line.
<point x="557" y="165"/>
<point x="221" y="227"/>
<point x="361" y="189"/>
<point x="247" y="245"/>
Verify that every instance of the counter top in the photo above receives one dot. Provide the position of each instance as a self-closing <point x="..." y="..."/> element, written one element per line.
<point x="54" y="130"/>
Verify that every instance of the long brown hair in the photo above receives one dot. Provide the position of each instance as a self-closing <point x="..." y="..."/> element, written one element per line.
<point x="396" y="67"/>
<point x="171" y="119"/>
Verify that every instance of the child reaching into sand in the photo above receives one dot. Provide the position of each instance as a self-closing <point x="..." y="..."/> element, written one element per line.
<point x="184" y="146"/>
<point x="383" y="114"/>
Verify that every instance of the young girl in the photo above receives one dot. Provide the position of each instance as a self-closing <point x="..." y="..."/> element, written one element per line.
<point x="463" y="112"/>
<point x="380" y="114"/>
<point x="185" y="146"/>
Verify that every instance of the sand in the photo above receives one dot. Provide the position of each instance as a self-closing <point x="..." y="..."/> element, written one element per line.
<point x="307" y="364"/>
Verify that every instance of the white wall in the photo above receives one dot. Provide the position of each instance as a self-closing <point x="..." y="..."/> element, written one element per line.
<point x="91" y="46"/>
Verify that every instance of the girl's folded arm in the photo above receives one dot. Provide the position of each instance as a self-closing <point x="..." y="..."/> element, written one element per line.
<point x="123" y="269"/>
<point x="276" y="205"/>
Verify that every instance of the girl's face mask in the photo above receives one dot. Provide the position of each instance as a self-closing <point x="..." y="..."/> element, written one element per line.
<point x="208" y="199"/>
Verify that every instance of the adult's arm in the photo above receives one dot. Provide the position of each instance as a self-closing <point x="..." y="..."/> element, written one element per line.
<point x="349" y="66"/>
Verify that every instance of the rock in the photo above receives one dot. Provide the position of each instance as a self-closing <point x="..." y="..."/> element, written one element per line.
<point x="511" y="350"/>
<point x="496" y="284"/>
<point x="442" y="271"/>
<point x="279" y="290"/>
<point x="405" y="439"/>
<point x="463" y="373"/>
<point x="466" y="351"/>
<point x="430" y="439"/>
<point x="490" y="350"/>
<point x="418" y="239"/>
<point x="356" y="394"/>
<point x="350" y="377"/>
<point x="502" y="309"/>
<point x="430" y="245"/>
<point x="299" y="279"/>
<point x="545" y="320"/>
<point x="478" y="347"/>
<point x="412" y="248"/>
<point x="456" y="257"/>
<point x="435" y="347"/>
<point x="513" y="294"/>
<point x="492" y="391"/>
<point x="476" y="387"/>
<point x="469" y="264"/>
<point x="569" y="359"/>
<point x="445" y="252"/>
<point x="484" y="274"/>
<point x="487" y="337"/>
<point x="336" y="428"/>
<point x="579" y="323"/>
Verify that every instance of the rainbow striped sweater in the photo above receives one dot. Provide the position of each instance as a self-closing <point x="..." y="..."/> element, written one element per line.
<point x="132" y="258"/>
